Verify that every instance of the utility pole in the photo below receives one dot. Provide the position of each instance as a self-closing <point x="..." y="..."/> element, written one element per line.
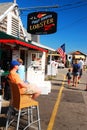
<point x="15" y="1"/>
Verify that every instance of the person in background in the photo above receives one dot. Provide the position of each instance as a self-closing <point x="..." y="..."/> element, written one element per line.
<point x="85" y="65"/>
<point x="75" y="72"/>
<point x="81" y="63"/>
<point x="69" y="76"/>
<point x="86" y="87"/>
<point x="21" y="70"/>
<point x="25" y="88"/>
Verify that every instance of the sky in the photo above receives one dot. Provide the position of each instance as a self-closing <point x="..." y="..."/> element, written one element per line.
<point x="71" y="22"/>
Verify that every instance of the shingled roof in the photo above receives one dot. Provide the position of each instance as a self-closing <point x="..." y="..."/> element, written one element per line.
<point x="4" y="7"/>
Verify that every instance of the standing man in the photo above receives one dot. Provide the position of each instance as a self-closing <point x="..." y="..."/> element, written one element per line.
<point x="81" y="63"/>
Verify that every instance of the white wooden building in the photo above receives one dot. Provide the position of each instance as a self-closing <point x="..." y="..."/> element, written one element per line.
<point x="15" y="43"/>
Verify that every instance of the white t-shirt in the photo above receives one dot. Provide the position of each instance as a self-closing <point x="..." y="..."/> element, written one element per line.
<point x="81" y="63"/>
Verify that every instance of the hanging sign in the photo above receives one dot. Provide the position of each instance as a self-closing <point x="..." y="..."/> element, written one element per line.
<point x="42" y="22"/>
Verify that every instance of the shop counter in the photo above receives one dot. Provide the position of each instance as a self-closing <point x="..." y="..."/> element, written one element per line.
<point x="2" y="79"/>
<point x="3" y="82"/>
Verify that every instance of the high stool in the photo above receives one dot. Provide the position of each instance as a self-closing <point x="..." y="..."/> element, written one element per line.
<point x="21" y="105"/>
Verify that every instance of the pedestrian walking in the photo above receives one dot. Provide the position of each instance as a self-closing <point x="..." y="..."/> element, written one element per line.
<point x="75" y="72"/>
<point x="69" y="76"/>
<point x="81" y="63"/>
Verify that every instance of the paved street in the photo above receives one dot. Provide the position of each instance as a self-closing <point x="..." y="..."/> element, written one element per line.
<point x="71" y="113"/>
<point x="65" y="108"/>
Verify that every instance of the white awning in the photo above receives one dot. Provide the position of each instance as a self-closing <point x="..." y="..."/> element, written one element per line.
<point x="54" y="54"/>
<point x="41" y="45"/>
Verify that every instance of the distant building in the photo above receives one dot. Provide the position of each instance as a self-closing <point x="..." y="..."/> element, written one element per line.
<point x="71" y="56"/>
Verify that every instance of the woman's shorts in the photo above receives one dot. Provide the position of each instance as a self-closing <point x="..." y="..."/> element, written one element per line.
<point x="75" y="73"/>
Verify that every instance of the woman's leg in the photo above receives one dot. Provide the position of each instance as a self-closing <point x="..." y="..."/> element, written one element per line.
<point x="69" y="81"/>
<point x="76" y="81"/>
<point x="73" y="80"/>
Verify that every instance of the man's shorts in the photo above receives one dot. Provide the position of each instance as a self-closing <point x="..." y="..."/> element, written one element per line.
<point x="32" y="88"/>
<point x="80" y="72"/>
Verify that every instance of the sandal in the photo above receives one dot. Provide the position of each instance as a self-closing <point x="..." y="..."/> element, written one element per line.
<point x="72" y="85"/>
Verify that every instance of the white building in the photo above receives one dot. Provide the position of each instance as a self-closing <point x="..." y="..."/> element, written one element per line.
<point x="15" y="43"/>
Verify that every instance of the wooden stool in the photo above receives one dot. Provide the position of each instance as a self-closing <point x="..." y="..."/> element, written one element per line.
<point x="21" y="105"/>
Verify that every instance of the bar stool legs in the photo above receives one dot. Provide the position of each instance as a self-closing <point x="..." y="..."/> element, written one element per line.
<point x="32" y="120"/>
<point x="38" y="118"/>
<point x="22" y="106"/>
<point x="33" y="117"/>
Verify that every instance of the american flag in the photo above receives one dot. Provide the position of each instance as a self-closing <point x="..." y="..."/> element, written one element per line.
<point x="61" y="51"/>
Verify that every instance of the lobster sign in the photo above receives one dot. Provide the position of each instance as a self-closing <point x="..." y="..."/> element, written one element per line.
<point x="42" y="23"/>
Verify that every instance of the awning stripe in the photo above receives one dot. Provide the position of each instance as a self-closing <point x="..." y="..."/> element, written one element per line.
<point x="13" y="41"/>
<point x="6" y="38"/>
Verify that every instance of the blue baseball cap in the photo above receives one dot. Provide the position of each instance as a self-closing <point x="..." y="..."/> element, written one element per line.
<point x="14" y="63"/>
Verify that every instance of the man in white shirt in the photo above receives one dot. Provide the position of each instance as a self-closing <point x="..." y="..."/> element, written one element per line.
<point x="81" y="63"/>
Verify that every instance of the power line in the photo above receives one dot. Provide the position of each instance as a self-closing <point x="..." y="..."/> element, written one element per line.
<point x="72" y="7"/>
<point x="74" y="3"/>
<point x="71" y="24"/>
<point x="38" y="7"/>
<point x="61" y="8"/>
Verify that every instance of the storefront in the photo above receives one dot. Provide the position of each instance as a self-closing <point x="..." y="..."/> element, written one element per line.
<point x="33" y="57"/>
<point x="13" y="48"/>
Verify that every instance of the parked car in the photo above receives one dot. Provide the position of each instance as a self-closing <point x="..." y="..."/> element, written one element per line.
<point x="61" y="65"/>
